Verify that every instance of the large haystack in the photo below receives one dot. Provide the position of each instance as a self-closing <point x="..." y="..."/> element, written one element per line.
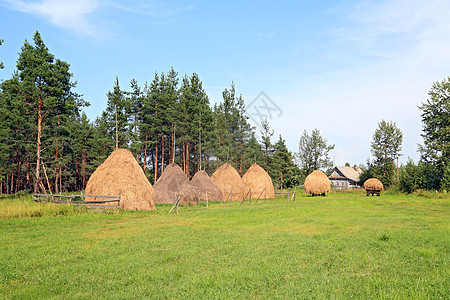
<point x="373" y="184"/>
<point x="317" y="183"/>
<point x="205" y="184"/>
<point x="259" y="182"/>
<point x="173" y="183"/>
<point x="121" y="174"/>
<point x="226" y="177"/>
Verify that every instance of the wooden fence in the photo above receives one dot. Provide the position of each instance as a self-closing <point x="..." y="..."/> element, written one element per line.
<point x="69" y="199"/>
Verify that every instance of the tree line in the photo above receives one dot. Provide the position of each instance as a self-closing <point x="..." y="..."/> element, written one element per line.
<point x="48" y="144"/>
<point x="432" y="171"/>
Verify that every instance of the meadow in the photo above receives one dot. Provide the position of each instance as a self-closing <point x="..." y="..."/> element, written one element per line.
<point x="340" y="246"/>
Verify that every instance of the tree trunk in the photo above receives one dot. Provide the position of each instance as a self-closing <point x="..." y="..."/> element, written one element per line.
<point x="135" y="135"/>
<point x="38" y="151"/>
<point x="170" y="147"/>
<point x="145" y="153"/>
<point x="162" y="153"/>
<point x="56" y="159"/>
<point x="83" y="169"/>
<point x="28" y="174"/>
<point x="60" y="180"/>
<point x="156" y="162"/>
<point x="187" y="159"/>
<point x="184" y="156"/>
<point x="12" y="182"/>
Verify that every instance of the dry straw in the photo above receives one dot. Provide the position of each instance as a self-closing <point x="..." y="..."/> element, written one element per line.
<point x="258" y="182"/>
<point x="317" y="183"/>
<point x="202" y="181"/>
<point x="121" y="174"/>
<point x="173" y="183"/>
<point x="226" y="177"/>
<point x="373" y="184"/>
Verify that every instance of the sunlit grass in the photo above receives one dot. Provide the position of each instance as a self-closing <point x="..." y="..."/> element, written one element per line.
<point x="340" y="246"/>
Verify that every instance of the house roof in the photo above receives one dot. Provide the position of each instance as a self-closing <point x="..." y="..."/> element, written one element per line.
<point x="346" y="172"/>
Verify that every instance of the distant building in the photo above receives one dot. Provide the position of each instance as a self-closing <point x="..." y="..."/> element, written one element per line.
<point x="345" y="177"/>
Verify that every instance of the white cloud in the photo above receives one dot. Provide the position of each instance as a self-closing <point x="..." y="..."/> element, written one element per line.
<point x="68" y="14"/>
<point x="152" y="8"/>
<point x="78" y="15"/>
<point x="379" y="65"/>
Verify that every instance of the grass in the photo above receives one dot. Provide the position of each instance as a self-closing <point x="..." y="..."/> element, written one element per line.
<point x="340" y="246"/>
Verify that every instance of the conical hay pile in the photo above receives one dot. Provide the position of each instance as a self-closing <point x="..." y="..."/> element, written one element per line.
<point x="317" y="183"/>
<point x="173" y="183"/>
<point x="373" y="184"/>
<point x="202" y="181"/>
<point x="121" y="174"/>
<point x="256" y="179"/>
<point x="226" y="177"/>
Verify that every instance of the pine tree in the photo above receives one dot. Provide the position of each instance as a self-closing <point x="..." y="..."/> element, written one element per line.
<point x="116" y="117"/>
<point x="135" y="99"/>
<point x="46" y="83"/>
<point x="195" y="121"/>
<point x="282" y="168"/>
<point x="266" y="135"/>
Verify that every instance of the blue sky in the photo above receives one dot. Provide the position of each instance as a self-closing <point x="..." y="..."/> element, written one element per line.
<point x="339" y="66"/>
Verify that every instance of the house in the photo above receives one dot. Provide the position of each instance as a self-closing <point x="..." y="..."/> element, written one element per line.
<point x="345" y="177"/>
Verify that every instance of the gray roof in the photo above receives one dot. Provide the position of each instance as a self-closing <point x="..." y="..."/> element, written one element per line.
<point x="347" y="172"/>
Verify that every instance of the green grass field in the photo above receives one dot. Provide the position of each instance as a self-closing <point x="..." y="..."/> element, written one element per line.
<point x="340" y="246"/>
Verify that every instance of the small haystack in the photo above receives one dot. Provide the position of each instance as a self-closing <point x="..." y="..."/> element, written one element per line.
<point x="259" y="182"/>
<point x="173" y="182"/>
<point x="226" y="177"/>
<point x="121" y="174"/>
<point x="202" y="181"/>
<point x="317" y="183"/>
<point x="373" y="186"/>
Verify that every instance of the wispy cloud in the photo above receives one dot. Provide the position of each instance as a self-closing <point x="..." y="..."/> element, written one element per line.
<point x="381" y="27"/>
<point x="68" y="14"/>
<point x="153" y="8"/>
<point x="77" y="15"/>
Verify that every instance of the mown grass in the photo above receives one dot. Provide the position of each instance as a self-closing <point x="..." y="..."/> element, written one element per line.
<point x="340" y="246"/>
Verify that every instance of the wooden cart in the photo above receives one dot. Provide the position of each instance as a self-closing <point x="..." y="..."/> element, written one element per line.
<point x="372" y="192"/>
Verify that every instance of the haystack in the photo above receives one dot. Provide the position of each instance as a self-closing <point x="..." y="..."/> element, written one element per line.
<point x="206" y="186"/>
<point x="173" y="183"/>
<point x="373" y="184"/>
<point x="258" y="182"/>
<point x="226" y="177"/>
<point x="317" y="183"/>
<point x="121" y="174"/>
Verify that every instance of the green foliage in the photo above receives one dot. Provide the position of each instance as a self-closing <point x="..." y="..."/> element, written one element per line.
<point x="282" y="165"/>
<point x="313" y="152"/>
<point x="386" y="148"/>
<point x="116" y="117"/>
<point x="233" y="129"/>
<point x="436" y="134"/>
<point x="38" y="105"/>
<point x="266" y="135"/>
<point x="1" y="63"/>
